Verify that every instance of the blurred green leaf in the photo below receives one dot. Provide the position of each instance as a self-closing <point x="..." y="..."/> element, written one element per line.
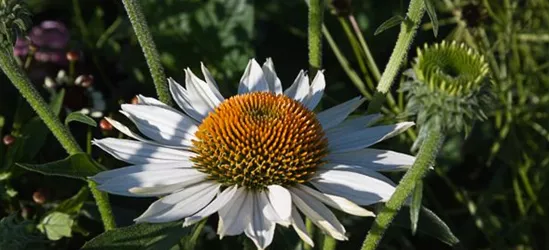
<point x="429" y="224"/>
<point x="140" y="236"/>
<point x="73" y="204"/>
<point x="391" y="22"/>
<point x="56" y="102"/>
<point x="79" y="117"/>
<point x="431" y="11"/>
<point x="77" y="166"/>
<point x="415" y="207"/>
<point x="56" y="225"/>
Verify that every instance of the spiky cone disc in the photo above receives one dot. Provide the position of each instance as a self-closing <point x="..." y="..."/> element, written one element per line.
<point x="14" y="21"/>
<point x="448" y="87"/>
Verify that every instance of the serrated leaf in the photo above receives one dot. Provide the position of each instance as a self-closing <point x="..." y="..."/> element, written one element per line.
<point x="77" y="166"/>
<point x="415" y="207"/>
<point x="429" y="224"/>
<point x="74" y="204"/>
<point x="391" y="22"/>
<point x="79" y="117"/>
<point x="140" y="237"/>
<point x="431" y="11"/>
<point x="56" y="225"/>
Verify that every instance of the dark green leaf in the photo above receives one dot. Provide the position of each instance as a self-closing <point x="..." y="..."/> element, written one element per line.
<point x="429" y="224"/>
<point x="392" y="22"/>
<point x="431" y="11"/>
<point x="79" y="117"/>
<point x="56" y="225"/>
<point x="73" y="204"/>
<point x="415" y="207"/>
<point x="77" y="166"/>
<point x="140" y="237"/>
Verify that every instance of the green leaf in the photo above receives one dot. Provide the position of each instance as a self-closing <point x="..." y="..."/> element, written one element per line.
<point x="56" y="225"/>
<point x="429" y="224"/>
<point x="77" y="166"/>
<point x="391" y="22"/>
<point x="140" y="236"/>
<point x="74" y="204"/>
<point x="56" y="102"/>
<point x="415" y="207"/>
<point x="79" y="117"/>
<point x="431" y="11"/>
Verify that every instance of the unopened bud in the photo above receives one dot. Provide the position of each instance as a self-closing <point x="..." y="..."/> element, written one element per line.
<point x="73" y="56"/>
<point x="105" y="125"/>
<point x="40" y="196"/>
<point x="8" y="140"/>
<point x="134" y="100"/>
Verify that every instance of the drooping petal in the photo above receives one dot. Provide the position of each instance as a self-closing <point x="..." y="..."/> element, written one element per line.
<point x="235" y="217"/>
<point x="222" y="199"/>
<point x="300" y="228"/>
<point x="152" y="180"/>
<point x="352" y="124"/>
<point x="211" y="82"/>
<point x="260" y="229"/>
<point x="181" y="204"/>
<point x="281" y="200"/>
<point x="316" y="90"/>
<point x="192" y="106"/>
<point x="151" y="101"/>
<point x="336" y="202"/>
<point x="320" y="215"/>
<point x="253" y="80"/>
<point x="162" y="125"/>
<point x="299" y="90"/>
<point x="366" y="137"/>
<point x="137" y="152"/>
<point x="106" y="175"/>
<point x="373" y="159"/>
<point x="333" y="116"/>
<point x="198" y="88"/>
<point x="359" y="188"/>
<point x="275" y="85"/>
<point x="355" y="169"/>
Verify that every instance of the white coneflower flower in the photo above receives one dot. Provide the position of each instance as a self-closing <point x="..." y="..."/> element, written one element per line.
<point x="259" y="158"/>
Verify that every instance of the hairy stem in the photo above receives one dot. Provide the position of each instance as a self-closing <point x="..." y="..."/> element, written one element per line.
<point x="103" y="205"/>
<point x="425" y="159"/>
<point x="408" y="29"/>
<point x="316" y="10"/>
<point x="135" y="13"/>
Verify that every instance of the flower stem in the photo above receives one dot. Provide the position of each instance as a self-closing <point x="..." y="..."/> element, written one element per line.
<point x="23" y="84"/>
<point x="408" y="29"/>
<point x="133" y="8"/>
<point x="425" y="159"/>
<point x="316" y="10"/>
<point x="103" y="205"/>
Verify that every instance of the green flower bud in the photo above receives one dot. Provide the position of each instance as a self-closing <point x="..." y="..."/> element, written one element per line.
<point x="448" y="87"/>
<point x="14" y="21"/>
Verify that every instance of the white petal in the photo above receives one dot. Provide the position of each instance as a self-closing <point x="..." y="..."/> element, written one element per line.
<point x="151" y="101"/>
<point x="319" y="214"/>
<point x="363" y="138"/>
<point x="106" y="175"/>
<point x="123" y="185"/>
<point x="198" y="88"/>
<point x="352" y="124"/>
<point x="181" y="204"/>
<point x="140" y="153"/>
<point x="300" y="227"/>
<point x="359" y="188"/>
<point x="162" y="125"/>
<point x="336" y="202"/>
<point x="281" y="200"/>
<point x="355" y="169"/>
<point x="316" y="90"/>
<point x="333" y="116"/>
<point x="275" y="85"/>
<point x="260" y="229"/>
<point x="374" y="159"/>
<point x="195" y="107"/>
<point x="211" y="82"/>
<point x="219" y="202"/>
<point x="299" y="90"/>
<point x="252" y="80"/>
<point x="235" y="217"/>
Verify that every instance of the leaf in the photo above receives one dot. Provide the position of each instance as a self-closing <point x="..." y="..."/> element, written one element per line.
<point x="140" y="236"/>
<point x="429" y="224"/>
<point x="431" y="11"/>
<point x="391" y="22"/>
<point x="74" y="204"/>
<point x="415" y="207"/>
<point x="79" y="117"/>
<point x="77" y="166"/>
<point x="56" y="102"/>
<point x="56" y="225"/>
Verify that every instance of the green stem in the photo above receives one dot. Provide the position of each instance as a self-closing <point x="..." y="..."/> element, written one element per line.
<point x="316" y="10"/>
<point x="311" y="231"/>
<point x="23" y="84"/>
<point x="103" y="205"/>
<point x="424" y="160"/>
<point x="408" y="29"/>
<point x="133" y="8"/>
<point x="356" y="50"/>
<point x="369" y="58"/>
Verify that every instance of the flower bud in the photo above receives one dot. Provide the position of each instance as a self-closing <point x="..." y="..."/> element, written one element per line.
<point x="105" y="125"/>
<point x="73" y="56"/>
<point x="8" y="140"/>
